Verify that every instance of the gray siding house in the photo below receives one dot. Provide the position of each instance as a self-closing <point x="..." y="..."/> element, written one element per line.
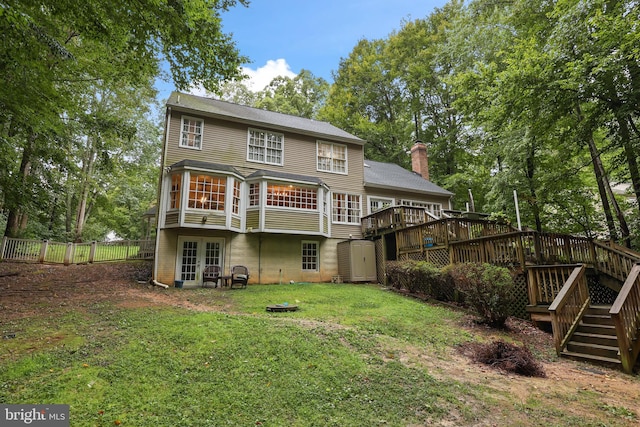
<point x="274" y="192"/>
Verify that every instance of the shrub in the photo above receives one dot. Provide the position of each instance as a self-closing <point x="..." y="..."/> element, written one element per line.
<point x="485" y="287"/>
<point x="414" y="276"/>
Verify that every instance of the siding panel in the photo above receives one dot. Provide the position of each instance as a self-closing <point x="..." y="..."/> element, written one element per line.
<point x="288" y="220"/>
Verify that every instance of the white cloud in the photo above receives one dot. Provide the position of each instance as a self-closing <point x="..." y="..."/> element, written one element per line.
<point x="258" y="79"/>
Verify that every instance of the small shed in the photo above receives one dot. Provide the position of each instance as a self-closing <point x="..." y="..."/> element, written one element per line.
<point x="357" y="261"/>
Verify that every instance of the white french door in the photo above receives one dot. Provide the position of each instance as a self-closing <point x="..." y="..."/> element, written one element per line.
<point x="194" y="255"/>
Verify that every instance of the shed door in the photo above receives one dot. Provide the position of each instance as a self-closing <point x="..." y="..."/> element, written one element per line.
<point x="363" y="261"/>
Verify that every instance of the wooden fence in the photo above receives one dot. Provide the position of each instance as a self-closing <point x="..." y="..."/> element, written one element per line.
<point x="44" y="251"/>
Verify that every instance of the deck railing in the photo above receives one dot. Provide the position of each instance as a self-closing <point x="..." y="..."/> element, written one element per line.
<point x="546" y="281"/>
<point x="614" y="262"/>
<point x="44" y="251"/>
<point x="393" y="217"/>
<point x="568" y="307"/>
<point x="625" y="313"/>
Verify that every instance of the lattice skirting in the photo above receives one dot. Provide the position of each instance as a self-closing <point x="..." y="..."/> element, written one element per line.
<point x="520" y="296"/>
<point x="600" y="294"/>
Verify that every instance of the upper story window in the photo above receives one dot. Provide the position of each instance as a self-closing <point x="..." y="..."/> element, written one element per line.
<point x="207" y="192"/>
<point x="265" y="147"/>
<point x="332" y="157"/>
<point x="291" y="196"/>
<point x="346" y="208"/>
<point x="254" y="194"/>
<point x="174" y="193"/>
<point x="191" y="133"/>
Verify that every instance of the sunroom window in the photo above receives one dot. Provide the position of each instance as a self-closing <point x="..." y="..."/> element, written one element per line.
<point x="291" y="196"/>
<point x="207" y="192"/>
<point x="174" y="193"/>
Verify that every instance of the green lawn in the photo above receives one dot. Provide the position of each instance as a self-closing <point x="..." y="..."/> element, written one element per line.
<point x="344" y="359"/>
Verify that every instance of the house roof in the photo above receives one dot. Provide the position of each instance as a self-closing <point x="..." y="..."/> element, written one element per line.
<point x="255" y="116"/>
<point x="286" y="176"/>
<point x="198" y="164"/>
<point x="394" y="177"/>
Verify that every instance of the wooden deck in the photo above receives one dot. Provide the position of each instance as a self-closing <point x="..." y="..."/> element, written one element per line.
<point x="555" y="267"/>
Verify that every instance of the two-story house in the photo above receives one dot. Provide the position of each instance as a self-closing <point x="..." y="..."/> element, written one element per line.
<point x="270" y="191"/>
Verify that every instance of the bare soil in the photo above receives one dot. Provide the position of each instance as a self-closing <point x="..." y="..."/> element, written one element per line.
<point x="28" y="290"/>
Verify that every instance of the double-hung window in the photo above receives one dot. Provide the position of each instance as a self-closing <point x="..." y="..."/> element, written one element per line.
<point x="174" y="193"/>
<point x="331" y="157"/>
<point x="346" y="208"/>
<point x="309" y="256"/>
<point x="265" y="147"/>
<point x="254" y="194"/>
<point x="191" y="133"/>
<point x="236" y="197"/>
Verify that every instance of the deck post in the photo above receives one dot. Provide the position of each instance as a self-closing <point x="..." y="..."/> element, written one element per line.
<point x="532" y="287"/>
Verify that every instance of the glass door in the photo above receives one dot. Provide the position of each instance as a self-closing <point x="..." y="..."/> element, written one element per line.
<point x="194" y="255"/>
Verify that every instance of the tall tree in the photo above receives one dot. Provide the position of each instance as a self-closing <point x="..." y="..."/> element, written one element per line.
<point x="52" y="49"/>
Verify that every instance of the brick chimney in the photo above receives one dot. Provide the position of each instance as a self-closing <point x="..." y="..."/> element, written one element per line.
<point x="419" y="159"/>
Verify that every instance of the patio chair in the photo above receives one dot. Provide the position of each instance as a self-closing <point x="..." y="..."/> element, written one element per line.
<point x="239" y="276"/>
<point x="211" y="274"/>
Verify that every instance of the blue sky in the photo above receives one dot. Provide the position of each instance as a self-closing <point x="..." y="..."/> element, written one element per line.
<point x="281" y="37"/>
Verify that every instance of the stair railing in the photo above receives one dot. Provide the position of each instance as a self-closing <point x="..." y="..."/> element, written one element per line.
<point x="614" y="262"/>
<point x="568" y="307"/>
<point x="625" y="313"/>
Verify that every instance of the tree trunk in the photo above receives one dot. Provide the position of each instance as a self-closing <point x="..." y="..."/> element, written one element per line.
<point x="87" y="172"/>
<point x="598" y="170"/>
<point x="15" y="219"/>
<point x="532" y="187"/>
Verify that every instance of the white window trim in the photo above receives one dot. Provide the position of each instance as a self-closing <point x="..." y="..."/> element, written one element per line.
<point x="357" y="222"/>
<point x="412" y="203"/>
<point x="182" y="119"/>
<point x="332" y="144"/>
<point x="317" y="255"/>
<point x="265" y="162"/>
<point x="382" y="199"/>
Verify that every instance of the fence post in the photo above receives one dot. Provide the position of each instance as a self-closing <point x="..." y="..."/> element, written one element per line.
<point x="4" y="246"/>
<point x="43" y="251"/>
<point x="68" y="254"/>
<point x="92" y="252"/>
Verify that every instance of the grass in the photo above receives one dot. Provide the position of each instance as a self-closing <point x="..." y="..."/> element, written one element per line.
<point x="342" y="360"/>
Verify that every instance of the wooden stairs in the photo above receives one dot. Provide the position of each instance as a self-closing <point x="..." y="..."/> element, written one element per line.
<point x="555" y="266"/>
<point x="595" y="340"/>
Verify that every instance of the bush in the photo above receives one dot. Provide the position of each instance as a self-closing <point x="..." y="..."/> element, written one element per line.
<point x="485" y="287"/>
<point x="414" y="276"/>
<point x="506" y="357"/>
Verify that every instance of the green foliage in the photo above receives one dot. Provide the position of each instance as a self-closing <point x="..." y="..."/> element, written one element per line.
<point x="76" y="82"/>
<point x="485" y="287"/>
<point x="416" y="277"/>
